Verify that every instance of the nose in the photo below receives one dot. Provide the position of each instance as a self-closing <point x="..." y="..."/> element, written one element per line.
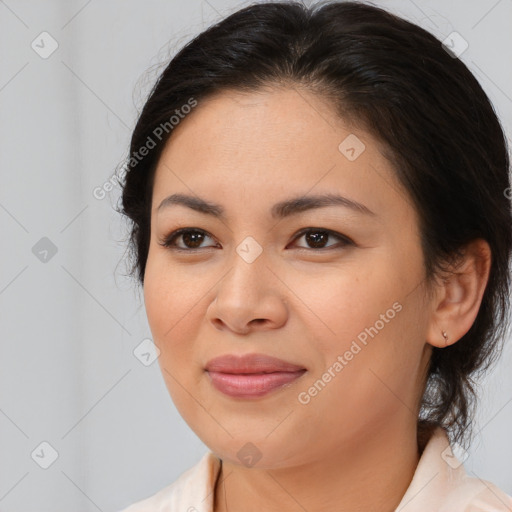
<point x="249" y="297"/>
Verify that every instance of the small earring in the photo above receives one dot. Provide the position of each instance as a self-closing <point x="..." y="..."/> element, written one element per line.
<point x="445" y="336"/>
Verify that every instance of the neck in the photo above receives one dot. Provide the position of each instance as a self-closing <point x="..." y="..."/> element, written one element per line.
<point x="369" y="473"/>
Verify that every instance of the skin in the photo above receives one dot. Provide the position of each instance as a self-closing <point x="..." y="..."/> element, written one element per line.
<point x="306" y="305"/>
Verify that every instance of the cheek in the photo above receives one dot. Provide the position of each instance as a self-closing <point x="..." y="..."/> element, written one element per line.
<point x="168" y="296"/>
<point x="344" y="302"/>
<point x="173" y="310"/>
<point x="173" y="320"/>
<point x="361" y="316"/>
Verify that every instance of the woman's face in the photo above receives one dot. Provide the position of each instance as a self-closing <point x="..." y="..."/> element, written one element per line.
<point x="351" y="311"/>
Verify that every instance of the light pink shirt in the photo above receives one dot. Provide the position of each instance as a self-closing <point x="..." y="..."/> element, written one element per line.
<point x="439" y="484"/>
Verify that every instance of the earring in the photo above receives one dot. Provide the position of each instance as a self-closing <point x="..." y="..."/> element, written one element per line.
<point x="445" y="336"/>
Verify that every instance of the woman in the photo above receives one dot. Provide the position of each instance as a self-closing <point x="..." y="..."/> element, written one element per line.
<point x="321" y="222"/>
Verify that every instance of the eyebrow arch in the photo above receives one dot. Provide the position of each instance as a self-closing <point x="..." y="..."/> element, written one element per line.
<point x="279" y="210"/>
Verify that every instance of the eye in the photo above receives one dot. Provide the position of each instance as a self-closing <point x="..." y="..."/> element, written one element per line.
<point x="318" y="236"/>
<point x="192" y="239"/>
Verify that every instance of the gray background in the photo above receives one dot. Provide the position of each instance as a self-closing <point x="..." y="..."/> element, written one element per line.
<point x="69" y="325"/>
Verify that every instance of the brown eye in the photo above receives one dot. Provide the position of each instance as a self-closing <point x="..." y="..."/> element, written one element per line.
<point x="317" y="238"/>
<point x="192" y="239"/>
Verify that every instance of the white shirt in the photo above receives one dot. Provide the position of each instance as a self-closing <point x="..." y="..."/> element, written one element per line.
<point x="439" y="484"/>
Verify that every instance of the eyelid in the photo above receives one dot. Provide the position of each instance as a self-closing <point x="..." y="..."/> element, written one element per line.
<point x="343" y="238"/>
<point x="168" y="240"/>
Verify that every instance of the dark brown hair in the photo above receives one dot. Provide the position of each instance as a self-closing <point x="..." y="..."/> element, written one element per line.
<point x="396" y="80"/>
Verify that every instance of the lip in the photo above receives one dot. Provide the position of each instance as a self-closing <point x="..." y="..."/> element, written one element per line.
<point x="250" y="363"/>
<point x="251" y="375"/>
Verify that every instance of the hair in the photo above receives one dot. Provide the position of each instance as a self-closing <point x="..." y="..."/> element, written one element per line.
<point x="398" y="82"/>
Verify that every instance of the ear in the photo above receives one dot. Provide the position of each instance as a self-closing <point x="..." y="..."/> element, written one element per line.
<point x="458" y="297"/>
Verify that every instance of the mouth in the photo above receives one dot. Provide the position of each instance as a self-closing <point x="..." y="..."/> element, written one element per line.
<point x="251" y="375"/>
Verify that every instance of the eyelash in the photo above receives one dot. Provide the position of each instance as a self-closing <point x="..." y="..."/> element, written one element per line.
<point x="169" y="240"/>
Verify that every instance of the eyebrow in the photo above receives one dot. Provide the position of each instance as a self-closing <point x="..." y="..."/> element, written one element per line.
<point x="279" y="210"/>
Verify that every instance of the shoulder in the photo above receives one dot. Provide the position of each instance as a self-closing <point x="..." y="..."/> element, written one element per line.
<point x="441" y="484"/>
<point x="191" y="492"/>
<point x="476" y="495"/>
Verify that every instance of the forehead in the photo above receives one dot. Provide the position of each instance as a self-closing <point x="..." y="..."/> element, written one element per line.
<point x="263" y="113"/>
<point x="273" y="142"/>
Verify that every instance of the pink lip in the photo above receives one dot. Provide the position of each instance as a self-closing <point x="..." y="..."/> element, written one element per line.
<point x="251" y="375"/>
